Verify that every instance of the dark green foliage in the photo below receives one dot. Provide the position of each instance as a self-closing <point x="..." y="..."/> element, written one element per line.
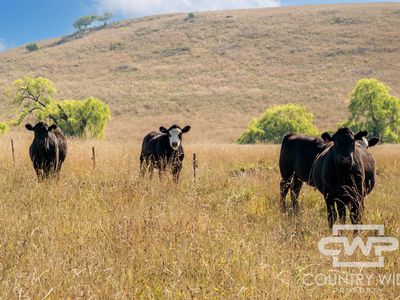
<point x="190" y="17"/>
<point x="32" y="47"/>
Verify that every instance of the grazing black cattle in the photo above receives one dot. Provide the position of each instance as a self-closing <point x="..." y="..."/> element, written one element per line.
<point x="163" y="149"/>
<point x="48" y="149"/>
<point x="344" y="173"/>
<point x="296" y="159"/>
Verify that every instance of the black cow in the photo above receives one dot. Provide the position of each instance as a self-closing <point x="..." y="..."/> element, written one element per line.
<point x="163" y="149"/>
<point x="296" y="159"/>
<point x="48" y="149"/>
<point x="344" y="173"/>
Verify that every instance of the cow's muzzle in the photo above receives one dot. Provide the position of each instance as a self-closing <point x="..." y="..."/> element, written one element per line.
<point x="346" y="161"/>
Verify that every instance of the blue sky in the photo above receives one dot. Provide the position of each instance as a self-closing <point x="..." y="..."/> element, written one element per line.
<point x="24" y="21"/>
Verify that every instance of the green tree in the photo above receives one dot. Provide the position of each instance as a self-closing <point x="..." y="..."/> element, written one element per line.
<point x="104" y="18"/>
<point x="372" y="108"/>
<point x="30" y="95"/>
<point x="84" y="22"/>
<point x="86" y="117"/>
<point x="36" y="96"/>
<point x="276" y="122"/>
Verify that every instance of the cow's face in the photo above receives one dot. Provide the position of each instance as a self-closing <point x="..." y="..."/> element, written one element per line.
<point x="175" y="135"/>
<point x="363" y="142"/>
<point x="41" y="131"/>
<point x="344" y="145"/>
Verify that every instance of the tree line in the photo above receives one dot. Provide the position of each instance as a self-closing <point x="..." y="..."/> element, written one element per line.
<point x="371" y="107"/>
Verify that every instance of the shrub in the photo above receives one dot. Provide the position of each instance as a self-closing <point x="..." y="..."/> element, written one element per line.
<point x="372" y="108"/>
<point x="116" y="46"/>
<point x="190" y="17"/>
<point x="32" y="47"/>
<point x="3" y="128"/>
<point x="276" y="122"/>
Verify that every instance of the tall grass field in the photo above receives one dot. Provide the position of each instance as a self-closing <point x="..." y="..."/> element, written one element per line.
<point x="104" y="233"/>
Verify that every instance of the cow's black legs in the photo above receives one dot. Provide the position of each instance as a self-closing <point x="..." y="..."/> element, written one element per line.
<point x="58" y="170"/>
<point x="176" y="177"/>
<point x="331" y="211"/>
<point x="39" y="174"/>
<point x="151" y="170"/>
<point x="143" y="166"/>
<point x="295" y="191"/>
<point x="355" y="212"/>
<point x="341" y="207"/>
<point x="285" y="185"/>
<point x="161" y="170"/>
<point x="176" y="170"/>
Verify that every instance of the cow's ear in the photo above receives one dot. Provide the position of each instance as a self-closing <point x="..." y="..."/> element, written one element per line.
<point x="360" y="135"/>
<point x="29" y="126"/>
<point x="373" y="141"/>
<point x="186" y="129"/>
<point x="52" y="127"/>
<point x="326" y="137"/>
<point x="163" y="129"/>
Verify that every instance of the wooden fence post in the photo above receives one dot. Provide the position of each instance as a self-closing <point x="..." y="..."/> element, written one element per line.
<point x="94" y="157"/>
<point x="194" y="167"/>
<point x="13" y="151"/>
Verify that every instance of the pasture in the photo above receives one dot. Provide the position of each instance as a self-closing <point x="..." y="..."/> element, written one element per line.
<point x="102" y="232"/>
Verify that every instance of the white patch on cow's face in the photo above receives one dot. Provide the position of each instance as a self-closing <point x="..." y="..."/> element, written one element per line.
<point x="363" y="142"/>
<point x="175" y="138"/>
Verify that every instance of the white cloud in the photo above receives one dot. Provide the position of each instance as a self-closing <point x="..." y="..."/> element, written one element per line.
<point x="3" y="45"/>
<point x="135" y="8"/>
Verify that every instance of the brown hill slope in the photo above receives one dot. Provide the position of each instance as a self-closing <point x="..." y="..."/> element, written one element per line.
<point x="222" y="69"/>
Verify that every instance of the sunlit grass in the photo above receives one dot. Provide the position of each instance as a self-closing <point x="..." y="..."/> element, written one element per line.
<point x="104" y="233"/>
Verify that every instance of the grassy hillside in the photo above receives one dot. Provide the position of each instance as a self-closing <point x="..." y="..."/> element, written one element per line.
<point x="221" y="69"/>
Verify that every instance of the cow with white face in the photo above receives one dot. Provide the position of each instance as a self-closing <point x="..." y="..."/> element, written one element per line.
<point x="163" y="149"/>
<point x="174" y="135"/>
<point x="366" y="143"/>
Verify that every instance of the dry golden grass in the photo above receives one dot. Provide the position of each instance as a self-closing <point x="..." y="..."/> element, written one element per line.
<point x="105" y="234"/>
<point x="224" y="68"/>
<point x="102" y="233"/>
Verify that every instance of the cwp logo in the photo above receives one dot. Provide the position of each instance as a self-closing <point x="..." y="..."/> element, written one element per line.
<point x="379" y="243"/>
